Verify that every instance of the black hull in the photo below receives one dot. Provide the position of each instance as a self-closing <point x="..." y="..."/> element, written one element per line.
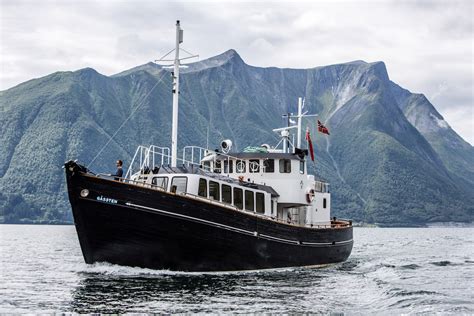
<point x="132" y="225"/>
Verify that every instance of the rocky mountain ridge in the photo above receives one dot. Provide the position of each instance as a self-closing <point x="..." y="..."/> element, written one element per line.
<point x="391" y="157"/>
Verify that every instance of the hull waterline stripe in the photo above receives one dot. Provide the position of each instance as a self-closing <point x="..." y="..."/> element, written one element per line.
<point x="239" y="230"/>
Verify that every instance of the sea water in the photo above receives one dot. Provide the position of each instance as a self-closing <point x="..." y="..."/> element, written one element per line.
<point x="391" y="270"/>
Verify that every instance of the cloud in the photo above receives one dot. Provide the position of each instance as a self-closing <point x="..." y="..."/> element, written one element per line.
<point x="426" y="45"/>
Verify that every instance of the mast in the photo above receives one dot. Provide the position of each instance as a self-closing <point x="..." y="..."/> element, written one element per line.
<point x="174" y="131"/>
<point x="176" y="63"/>
<point x="300" y="108"/>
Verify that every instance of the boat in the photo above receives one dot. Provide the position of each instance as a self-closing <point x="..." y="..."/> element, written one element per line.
<point x="209" y="210"/>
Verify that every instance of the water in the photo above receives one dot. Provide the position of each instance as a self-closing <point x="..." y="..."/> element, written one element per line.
<point x="391" y="270"/>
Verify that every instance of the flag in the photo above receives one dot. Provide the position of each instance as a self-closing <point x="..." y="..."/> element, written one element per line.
<point x="322" y="129"/>
<point x="310" y="144"/>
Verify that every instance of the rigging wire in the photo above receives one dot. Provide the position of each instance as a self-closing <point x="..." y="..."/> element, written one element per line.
<point x="126" y="120"/>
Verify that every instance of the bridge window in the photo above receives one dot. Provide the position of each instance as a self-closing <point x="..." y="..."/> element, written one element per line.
<point x="249" y="200"/>
<point x="217" y="166"/>
<point x="260" y="203"/>
<point x="269" y="165"/>
<point x="214" y="190"/>
<point x="238" y="198"/>
<point x="240" y="166"/>
<point x="285" y="166"/>
<point x="302" y="166"/>
<point x="160" y="181"/>
<point x="207" y="165"/>
<point x="324" y="203"/>
<point x="179" y="184"/>
<point x="228" y="166"/>
<point x="254" y="165"/>
<point x="202" y="189"/>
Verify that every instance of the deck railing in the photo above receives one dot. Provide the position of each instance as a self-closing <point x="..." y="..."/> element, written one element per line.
<point x="148" y="157"/>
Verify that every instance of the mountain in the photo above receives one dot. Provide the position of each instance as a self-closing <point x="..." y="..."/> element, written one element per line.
<point x="391" y="158"/>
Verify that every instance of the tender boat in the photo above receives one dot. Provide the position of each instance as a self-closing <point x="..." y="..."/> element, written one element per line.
<point x="209" y="210"/>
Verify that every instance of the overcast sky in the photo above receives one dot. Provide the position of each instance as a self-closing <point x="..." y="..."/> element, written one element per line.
<point x="427" y="46"/>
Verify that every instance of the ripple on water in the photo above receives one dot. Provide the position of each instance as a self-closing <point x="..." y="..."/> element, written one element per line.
<point x="349" y="265"/>
<point x="400" y="292"/>
<point x="412" y="266"/>
<point x="442" y="263"/>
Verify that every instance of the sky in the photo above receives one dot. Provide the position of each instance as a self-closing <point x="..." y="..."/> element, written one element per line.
<point x="427" y="46"/>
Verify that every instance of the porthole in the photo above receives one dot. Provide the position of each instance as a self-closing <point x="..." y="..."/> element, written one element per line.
<point x="84" y="193"/>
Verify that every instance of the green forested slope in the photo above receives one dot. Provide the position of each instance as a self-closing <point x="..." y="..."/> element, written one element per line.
<point x="390" y="158"/>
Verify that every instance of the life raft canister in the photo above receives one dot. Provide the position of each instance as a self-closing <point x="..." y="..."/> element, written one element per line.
<point x="310" y="195"/>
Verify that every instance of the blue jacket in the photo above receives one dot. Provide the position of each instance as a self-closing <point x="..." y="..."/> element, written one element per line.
<point x="118" y="174"/>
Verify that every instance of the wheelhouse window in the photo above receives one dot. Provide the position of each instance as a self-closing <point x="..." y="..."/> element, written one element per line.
<point x="249" y="200"/>
<point x="238" y="198"/>
<point x="228" y="166"/>
<point x="214" y="190"/>
<point x="254" y="165"/>
<point x="260" y="203"/>
<point x="217" y="166"/>
<point x="206" y="165"/>
<point x="285" y="166"/>
<point x="202" y="189"/>
<point x="324" y="203"/>
<point x="161" y="182"/>
<point x="226" y="194"/>
<point x="179" y="184"/>
<point x="302" y="166"/>
<point x="269" y="165"/>
<point x="240" y="166"/>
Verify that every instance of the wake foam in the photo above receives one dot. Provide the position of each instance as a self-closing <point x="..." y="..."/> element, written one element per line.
<point x="105" y="268"/>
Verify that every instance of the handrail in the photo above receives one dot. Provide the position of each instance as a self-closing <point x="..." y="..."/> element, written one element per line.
<point x="139" y="149"/>
<point x="202" y="153"/>
<point x="144" y="154"/>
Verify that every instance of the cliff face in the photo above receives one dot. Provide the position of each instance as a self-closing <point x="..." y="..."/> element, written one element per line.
<point x="391" y="158"/>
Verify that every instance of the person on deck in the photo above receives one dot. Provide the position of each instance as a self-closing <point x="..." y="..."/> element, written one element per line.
<point x="119" y="172"/>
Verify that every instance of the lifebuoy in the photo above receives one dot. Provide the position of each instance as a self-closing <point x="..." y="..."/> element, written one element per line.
<point x="310" y="196"/>
<point x="240" y="166"/>
<point x="254" y="166"/>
